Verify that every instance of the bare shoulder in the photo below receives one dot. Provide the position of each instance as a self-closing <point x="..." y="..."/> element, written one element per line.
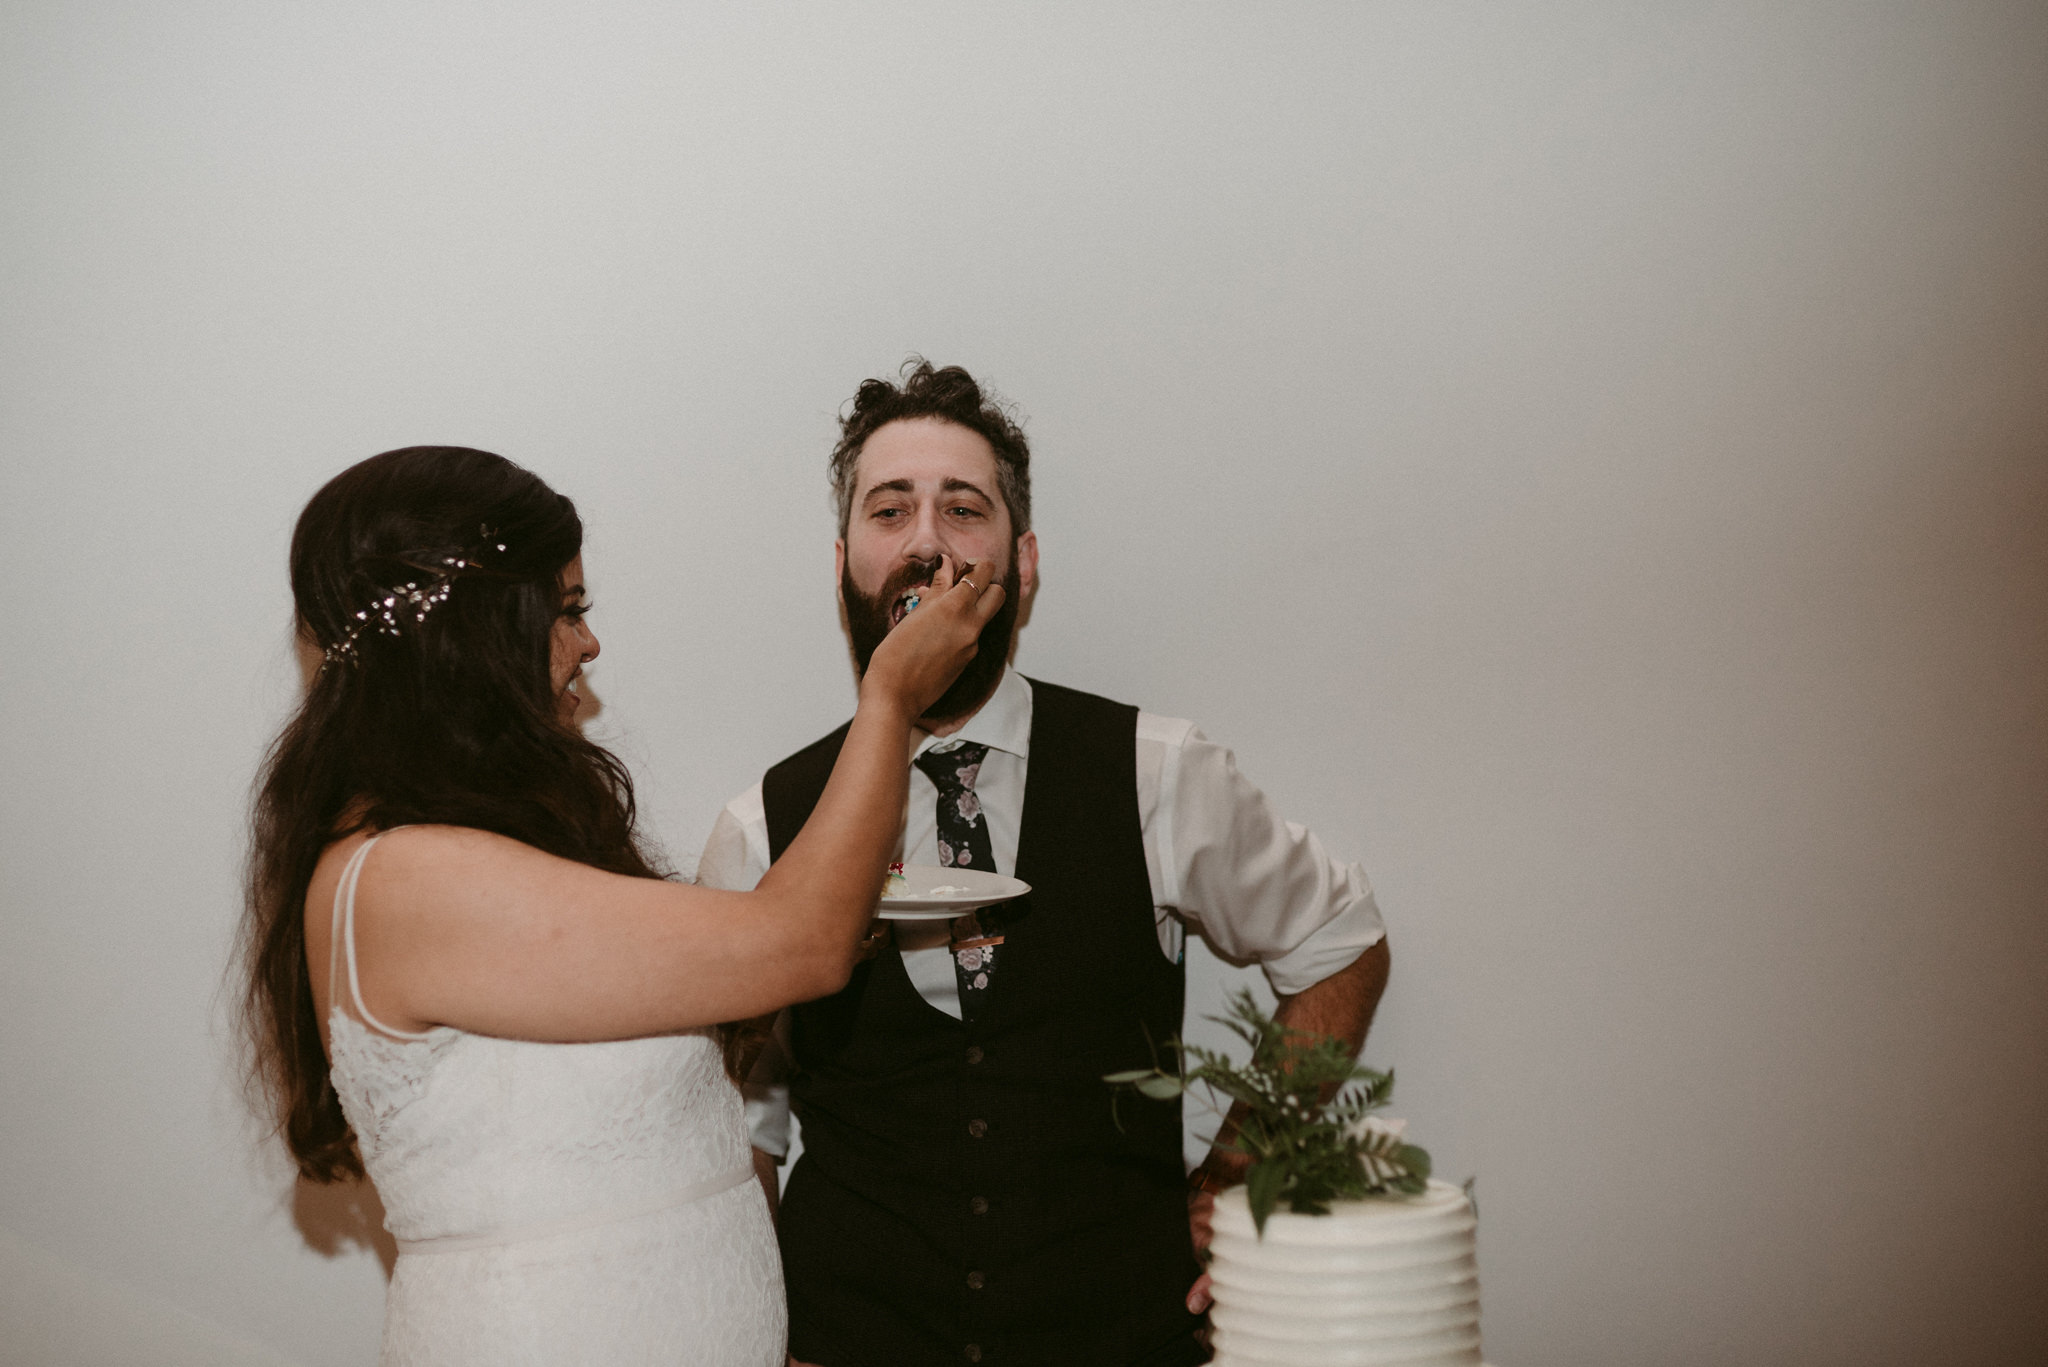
<point x="418" y="870"/>
<point x="435" y="905"/>
<point x="424" y="851"/>
<point x="457" y="870"/>
<point x="459" y="927"/>
<point x="415" y="849"/>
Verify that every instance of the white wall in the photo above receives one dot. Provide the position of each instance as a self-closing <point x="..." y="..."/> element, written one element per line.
<point x="1590" y="460"/>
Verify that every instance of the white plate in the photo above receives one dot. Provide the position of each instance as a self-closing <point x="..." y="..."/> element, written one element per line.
<point x="935" y="893"/>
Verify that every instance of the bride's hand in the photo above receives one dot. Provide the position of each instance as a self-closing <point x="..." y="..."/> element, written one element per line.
<point x="919" y="659"/>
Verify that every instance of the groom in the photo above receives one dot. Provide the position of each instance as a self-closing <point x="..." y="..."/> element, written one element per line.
<point x="966" y="1194"/>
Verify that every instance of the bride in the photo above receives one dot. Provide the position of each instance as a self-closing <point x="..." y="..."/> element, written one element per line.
<point x="466" y="977"/>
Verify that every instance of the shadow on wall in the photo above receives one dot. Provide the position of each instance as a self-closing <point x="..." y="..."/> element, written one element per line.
<point x="337" y="1217"/>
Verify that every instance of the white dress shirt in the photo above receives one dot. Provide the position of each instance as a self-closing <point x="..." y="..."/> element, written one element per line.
<point x="1258" y="889"/>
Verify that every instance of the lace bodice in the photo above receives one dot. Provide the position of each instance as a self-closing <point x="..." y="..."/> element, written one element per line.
<point x="557" y="1203"/>
<point x="455" y="1128"/>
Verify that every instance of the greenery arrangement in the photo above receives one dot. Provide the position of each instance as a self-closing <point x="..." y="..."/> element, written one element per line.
<point x="1303" y="1150"/>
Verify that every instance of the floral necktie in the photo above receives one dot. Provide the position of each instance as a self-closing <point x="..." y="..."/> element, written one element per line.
<point x="964" y="844"/>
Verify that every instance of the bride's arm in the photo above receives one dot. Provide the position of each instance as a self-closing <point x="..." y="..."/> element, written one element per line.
<point x="461" y="927"/>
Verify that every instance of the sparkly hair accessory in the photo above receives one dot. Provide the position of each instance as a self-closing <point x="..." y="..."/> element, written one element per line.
<point x="411" y="597"/>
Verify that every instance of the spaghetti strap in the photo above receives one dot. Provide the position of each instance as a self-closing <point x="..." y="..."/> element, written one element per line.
<point x="341" y="939"/>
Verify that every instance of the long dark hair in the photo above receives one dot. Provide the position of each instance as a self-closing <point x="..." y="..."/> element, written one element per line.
<point x="429" y="577"/>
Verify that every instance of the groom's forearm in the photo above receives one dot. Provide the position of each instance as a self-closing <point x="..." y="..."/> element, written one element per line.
<point x="1340" y="1006"/>
<point x="766" y="1168"/>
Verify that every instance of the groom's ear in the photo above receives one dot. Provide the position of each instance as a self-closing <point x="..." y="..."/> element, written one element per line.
<point x="839" y="566"/>
<point x="1027" y="565"/>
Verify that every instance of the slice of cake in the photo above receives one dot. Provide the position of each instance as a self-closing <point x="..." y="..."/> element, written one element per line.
<point x="896" y="885"/>
<point x="1376" y="1282"/>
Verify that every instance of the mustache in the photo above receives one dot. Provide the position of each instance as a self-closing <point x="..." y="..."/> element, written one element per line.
<point x="911" y="575"/>
<point x="916" y="574"/>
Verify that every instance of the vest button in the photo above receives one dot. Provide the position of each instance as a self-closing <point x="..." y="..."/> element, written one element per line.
<point x="977" y="1128"/>
<point x="975" y="1281"/>
<point x="979" y="1205"/>
<point x="974" y="1053"/>
<point x="972" y="1352"/>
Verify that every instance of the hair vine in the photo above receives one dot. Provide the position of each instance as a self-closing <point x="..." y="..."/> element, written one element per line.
<point x="410" y="598"/>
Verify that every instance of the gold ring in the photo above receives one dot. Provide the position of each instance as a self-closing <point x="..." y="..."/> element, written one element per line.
<point x="970" y="584"/>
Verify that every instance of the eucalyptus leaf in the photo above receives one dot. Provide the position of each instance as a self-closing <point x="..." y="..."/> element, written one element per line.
<point x="1160" y="1088"/>
<point x="1262" y="1190"/>
<point x="1129" y="1075"/>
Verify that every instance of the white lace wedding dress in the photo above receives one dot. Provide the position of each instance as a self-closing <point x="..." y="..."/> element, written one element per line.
<point x="557" y="1204"/>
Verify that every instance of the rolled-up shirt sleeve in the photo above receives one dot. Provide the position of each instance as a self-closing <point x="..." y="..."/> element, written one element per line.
<point x="735" y="858"/>
<point x="1259" y="889"/>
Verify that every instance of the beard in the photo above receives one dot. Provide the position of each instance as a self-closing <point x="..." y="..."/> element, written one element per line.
<point x="868" y="620"/>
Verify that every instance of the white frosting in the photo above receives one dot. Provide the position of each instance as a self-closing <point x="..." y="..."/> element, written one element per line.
<point x="1374" y="1283"/>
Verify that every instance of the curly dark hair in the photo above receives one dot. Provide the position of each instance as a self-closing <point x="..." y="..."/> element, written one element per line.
<point x="448" y="720"/>
<point x="951" y="394"/>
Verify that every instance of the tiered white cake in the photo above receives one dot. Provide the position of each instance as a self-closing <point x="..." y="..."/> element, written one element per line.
<point x="1378" y="1282"/>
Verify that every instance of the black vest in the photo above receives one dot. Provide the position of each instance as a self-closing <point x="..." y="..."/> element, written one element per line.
<point x="966" y="1193"/>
